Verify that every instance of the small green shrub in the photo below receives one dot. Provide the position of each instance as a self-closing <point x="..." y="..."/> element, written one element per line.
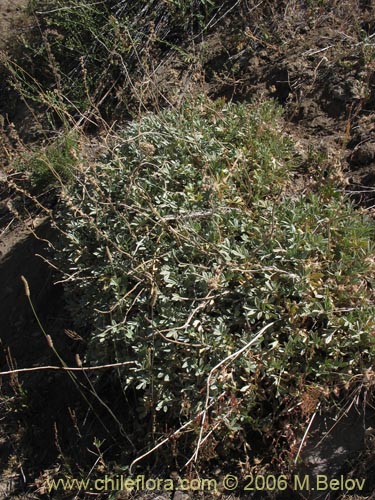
<point x="53" y="164"/>
<point x="181" y="244"/>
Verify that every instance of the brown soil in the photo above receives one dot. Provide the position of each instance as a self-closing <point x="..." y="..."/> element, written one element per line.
<point x="22" y="345"/>
<point x="320" y="67"/>
<point x="10" y="13"/>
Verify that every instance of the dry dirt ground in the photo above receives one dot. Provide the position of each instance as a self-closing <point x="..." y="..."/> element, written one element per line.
<point x="322" y="70"/>
<point x="10" y="12"/>
<point x="21" y="342"/>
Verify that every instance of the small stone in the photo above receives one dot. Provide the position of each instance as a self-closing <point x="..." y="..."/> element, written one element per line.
<point x="363" y="154"/>
<point x="179" y="495"/>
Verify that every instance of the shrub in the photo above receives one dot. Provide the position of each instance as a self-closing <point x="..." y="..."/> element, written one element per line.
<point x="84" y="55"/>
<point x="182" y="243"/>
<point x="53" y="164"/>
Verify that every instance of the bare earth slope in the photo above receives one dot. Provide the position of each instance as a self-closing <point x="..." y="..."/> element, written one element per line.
<point x="9" y="11"/>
